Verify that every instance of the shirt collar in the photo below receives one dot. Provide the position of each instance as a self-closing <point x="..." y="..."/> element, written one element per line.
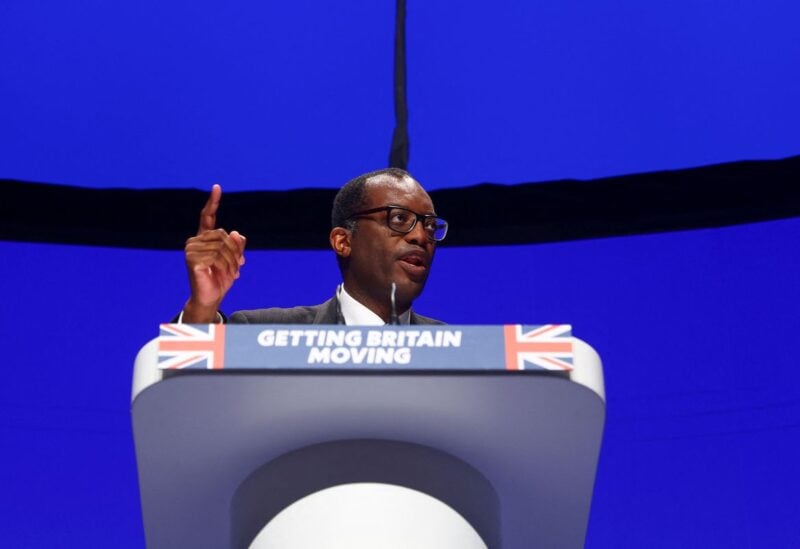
<point x="357" y="314"/>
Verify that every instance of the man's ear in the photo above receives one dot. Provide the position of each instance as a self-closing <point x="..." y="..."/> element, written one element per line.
<point x="340" y="241"/>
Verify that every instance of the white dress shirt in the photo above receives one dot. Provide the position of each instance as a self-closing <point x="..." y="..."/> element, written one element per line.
<point x="356" y="314"/>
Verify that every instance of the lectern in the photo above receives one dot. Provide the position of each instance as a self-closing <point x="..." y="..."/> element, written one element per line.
<point x="305" y="436"/>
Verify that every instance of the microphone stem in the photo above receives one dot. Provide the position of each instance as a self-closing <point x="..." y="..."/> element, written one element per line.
<point x="393" y="320"/>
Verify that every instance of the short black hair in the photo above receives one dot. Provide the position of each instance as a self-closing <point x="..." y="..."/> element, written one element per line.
<point x="352" y="196"/>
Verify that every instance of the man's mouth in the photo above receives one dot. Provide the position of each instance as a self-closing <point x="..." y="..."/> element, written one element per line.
<point x="415" y="264"/>
<point x="414" y="260"/>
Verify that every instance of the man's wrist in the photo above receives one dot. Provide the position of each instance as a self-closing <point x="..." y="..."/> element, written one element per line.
<point x="194" y="313"/>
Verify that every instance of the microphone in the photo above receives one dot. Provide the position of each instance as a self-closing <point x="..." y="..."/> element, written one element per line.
<point x="393" y="320"/>
<point x="339" y="314"/>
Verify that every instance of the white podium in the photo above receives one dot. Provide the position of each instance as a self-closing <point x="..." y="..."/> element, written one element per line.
<point x="480" y="455"/>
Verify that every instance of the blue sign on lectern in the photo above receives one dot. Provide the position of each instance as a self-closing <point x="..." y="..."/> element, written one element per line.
<point x="320" y="347"/>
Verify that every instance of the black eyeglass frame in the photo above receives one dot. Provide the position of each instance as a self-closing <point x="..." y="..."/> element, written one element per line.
<point x="417" y="218"/>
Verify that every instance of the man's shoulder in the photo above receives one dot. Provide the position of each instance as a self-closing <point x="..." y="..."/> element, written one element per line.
<point x="274" y="315"/>
<point x="419" y="319"/>
<point x="324" y="313"/>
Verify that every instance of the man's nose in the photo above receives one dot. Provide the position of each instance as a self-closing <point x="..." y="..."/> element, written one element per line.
<point x="417" y="235"/>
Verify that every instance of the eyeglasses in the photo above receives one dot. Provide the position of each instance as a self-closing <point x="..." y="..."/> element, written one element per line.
<point x="404" y="220"/>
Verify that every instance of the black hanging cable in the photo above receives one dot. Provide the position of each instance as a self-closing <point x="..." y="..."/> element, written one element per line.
<point x="526" y="213"/>
<point x="398" y="155"/>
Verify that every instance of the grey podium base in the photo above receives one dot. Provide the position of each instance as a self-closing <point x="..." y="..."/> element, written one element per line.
<point x="276" y="485"/>
<point x="514" y="453"/>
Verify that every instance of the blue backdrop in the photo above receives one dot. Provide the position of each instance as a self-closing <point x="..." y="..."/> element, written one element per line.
<point x="697" y="329"/>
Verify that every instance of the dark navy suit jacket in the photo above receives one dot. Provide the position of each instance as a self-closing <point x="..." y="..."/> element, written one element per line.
<point x="326" y="313"/>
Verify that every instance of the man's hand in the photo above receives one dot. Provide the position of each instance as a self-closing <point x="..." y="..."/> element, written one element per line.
<point x="213" y="259"/>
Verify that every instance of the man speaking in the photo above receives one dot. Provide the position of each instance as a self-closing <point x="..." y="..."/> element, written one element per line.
<point x="384" y="233"/>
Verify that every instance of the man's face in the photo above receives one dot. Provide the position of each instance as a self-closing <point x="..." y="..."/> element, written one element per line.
<point x="380" y="255"/>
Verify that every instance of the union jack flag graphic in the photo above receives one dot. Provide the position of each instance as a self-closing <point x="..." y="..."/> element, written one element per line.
<point x="547" y="347"/>
<point x="195" y="346"/>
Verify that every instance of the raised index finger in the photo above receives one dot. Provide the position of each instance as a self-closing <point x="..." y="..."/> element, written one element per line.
<point x="208" y="215"/>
